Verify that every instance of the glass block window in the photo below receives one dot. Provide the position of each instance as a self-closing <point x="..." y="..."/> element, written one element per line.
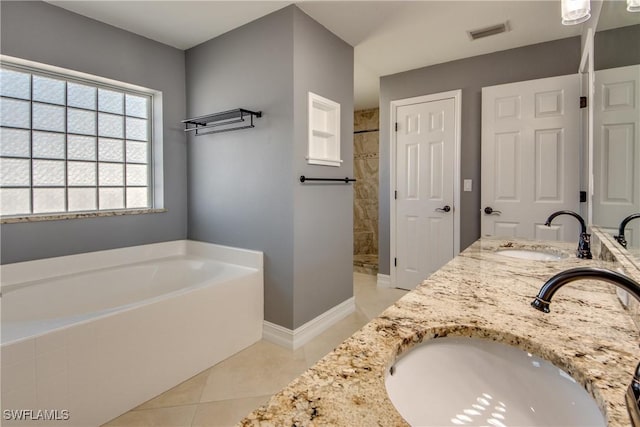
<point x="70" y="145"/>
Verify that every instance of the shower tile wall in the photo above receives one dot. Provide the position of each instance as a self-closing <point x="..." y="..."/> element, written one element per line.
<point x="365" y="200"/>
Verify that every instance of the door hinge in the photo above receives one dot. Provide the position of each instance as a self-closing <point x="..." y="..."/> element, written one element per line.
<point x="396" y="126"/>
<point x="395" y="194"/>
<point x="583" y="102"/>
<point x="583" y="196"/>
<point x="395" y="262"/>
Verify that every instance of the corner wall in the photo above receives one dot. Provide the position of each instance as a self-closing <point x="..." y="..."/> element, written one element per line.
<point x="40" y="32"/>
<point x="241" y="182"/>
<point x="323" y="214"/>
<point x="549" y="59"/>
<point x="243" y="185"/>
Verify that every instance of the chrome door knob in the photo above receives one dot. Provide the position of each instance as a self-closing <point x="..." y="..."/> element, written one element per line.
<point x="489" y="211"/>
<point x="447" y="208"/>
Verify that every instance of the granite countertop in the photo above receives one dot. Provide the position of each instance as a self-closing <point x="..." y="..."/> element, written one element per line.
<point x="480" y="294"/>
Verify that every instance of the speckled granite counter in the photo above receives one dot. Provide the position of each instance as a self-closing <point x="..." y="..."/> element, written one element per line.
<point x="624" y="260"/>
<point x="480" y="294"/>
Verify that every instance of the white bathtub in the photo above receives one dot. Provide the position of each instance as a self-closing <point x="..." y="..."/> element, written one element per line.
<point x="97" y="334"/>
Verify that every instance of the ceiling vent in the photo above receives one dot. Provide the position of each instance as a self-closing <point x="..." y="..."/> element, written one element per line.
<point x="489" y="31"/>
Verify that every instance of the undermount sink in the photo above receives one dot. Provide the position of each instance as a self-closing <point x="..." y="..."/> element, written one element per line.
<point x="458" y="381"/>
<point x="530" y="254"/>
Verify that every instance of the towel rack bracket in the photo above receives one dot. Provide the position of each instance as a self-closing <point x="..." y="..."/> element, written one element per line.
<point x="225" y="118"/>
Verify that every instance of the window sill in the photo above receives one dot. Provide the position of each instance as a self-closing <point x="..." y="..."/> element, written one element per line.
<point x="78" y="215"/>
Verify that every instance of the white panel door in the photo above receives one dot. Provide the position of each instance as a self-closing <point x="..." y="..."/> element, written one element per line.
<point x="531" y="158"/>
<point x="425" y="145"/>
<point x="616" y="153"/>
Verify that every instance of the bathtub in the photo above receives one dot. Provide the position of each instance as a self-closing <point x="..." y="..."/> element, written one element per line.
<point x="87" y="337"/>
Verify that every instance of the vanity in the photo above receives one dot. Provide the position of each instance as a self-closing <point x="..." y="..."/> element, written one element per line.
<point x="483" y="294"/>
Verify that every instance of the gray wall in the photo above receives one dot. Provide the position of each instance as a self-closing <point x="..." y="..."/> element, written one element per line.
<point x="617" y="48"/>
<point x="323" y="214"/>
<point x="40" y="32"/>
<point x="243" y="188"/>
<point x="241" y="182"/>
<point x="471" y="74"/>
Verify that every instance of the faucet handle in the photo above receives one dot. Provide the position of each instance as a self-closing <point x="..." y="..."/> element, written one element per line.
<point x="584" y="247"/>
<point x="621" y="239"/>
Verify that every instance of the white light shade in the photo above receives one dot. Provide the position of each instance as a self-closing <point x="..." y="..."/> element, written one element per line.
<point x="575" y="11"/>
<point x="633" y="5"/>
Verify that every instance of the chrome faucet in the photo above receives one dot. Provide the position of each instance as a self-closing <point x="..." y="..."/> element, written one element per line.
<point x="584" y="241"/>
<point x="620" y="237"/>
<point x="543" y="299"/>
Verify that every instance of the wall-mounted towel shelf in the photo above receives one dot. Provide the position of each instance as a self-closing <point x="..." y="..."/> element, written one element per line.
<point x="239" y="115"/>
<point x="345" y="180"/>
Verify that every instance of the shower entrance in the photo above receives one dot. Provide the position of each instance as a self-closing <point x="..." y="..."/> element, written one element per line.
<point x="365" y="191"/>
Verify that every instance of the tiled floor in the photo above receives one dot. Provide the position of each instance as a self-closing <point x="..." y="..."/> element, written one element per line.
<point x="223" y="394"/>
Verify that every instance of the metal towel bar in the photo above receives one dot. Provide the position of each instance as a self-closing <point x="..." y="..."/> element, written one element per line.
<point x="346" y="180"/>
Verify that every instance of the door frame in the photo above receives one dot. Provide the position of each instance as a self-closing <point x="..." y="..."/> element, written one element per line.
<point x="586" y="71"/>
<point x="456" y="95"/>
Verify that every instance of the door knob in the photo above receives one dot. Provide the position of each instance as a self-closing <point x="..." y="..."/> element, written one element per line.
<point x="447" y="208"/>
<point x="489" y="211"/>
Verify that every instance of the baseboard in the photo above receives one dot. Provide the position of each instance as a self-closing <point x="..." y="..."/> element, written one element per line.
<point x="277" y="334"/>
<point x="384" y="281"/>
<point x="300" y="336"/>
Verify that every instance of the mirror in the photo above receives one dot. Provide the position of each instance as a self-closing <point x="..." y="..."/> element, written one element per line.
<point x="616" y="122"/>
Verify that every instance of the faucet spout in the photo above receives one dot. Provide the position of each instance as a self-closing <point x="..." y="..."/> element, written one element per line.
<point x="543" y="299"/>
<point x="583" y="225"/>
<point x="620" y="237"/>
<point x="584" y="240"/>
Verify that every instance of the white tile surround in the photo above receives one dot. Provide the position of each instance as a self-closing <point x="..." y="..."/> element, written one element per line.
<point x="100" y="368"/>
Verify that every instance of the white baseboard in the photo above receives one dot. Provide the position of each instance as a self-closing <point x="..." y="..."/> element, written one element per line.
<point x="384" y="281"/>
<point x="300" y="336"/>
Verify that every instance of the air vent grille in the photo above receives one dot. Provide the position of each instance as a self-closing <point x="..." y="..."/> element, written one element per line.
<point x="489" y="31"/>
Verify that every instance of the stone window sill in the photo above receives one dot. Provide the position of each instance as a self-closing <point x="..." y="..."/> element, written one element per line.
<point x="78" y="215"/>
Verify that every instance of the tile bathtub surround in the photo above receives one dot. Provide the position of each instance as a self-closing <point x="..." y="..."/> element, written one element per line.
<point x="480" y="294"/>
<point x="365" y="191"/>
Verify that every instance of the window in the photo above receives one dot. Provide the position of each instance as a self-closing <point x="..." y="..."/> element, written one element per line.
<point x="72" y="145"/>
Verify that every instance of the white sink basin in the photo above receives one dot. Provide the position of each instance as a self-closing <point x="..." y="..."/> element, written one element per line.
<point x="530" y="254"/>
<point x="456" y="381"/>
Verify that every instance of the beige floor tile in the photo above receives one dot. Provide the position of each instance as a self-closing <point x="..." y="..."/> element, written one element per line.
<point x="328" y="340"/>
<point x="226" y="412"/>
<point x="186" y="393"/>
<point x="237" y="385"/>
<point x="262" y="369"/>
<point x="371" y="299"/>
<point x="177" y="416"/>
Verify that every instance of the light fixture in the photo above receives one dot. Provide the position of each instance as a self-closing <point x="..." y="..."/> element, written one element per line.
<point x="576" y="11"/>
<point x="633" y="5"/>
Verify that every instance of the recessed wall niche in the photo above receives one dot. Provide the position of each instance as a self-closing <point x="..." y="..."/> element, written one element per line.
<point x="324" y="131"/>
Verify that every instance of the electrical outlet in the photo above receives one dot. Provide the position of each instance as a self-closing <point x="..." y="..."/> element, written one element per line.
<point x="468" y="185"/>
